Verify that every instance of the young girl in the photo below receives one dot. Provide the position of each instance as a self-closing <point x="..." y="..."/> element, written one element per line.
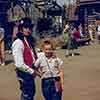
<point x="52" y="75"/>
<point x="71" y="43"/>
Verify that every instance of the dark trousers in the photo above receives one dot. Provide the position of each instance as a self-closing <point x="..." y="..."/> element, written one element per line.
<point x="49" y="90"/>
<point x="99" y="39"/>
<point x="27" y="85"/>
<point x="8" y="43"/>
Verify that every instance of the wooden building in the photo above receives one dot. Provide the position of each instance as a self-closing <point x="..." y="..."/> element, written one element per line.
<point x="4" y="5"/>
<point x="88" y="12"/>
<point x="10" y="9"/>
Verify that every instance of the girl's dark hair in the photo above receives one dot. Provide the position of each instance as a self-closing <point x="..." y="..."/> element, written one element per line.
<point x="31" y="41"/>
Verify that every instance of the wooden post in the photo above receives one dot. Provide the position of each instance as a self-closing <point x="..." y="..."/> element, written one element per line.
<point x="86" y="20"/>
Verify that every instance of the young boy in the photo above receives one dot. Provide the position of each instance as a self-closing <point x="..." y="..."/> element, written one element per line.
<point x="52" y="75"/>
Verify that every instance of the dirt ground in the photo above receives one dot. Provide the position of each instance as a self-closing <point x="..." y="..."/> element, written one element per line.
<point x="82" y="76"/>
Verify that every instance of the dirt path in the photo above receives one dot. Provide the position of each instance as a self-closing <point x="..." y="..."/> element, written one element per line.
<point x="82" y="80"/>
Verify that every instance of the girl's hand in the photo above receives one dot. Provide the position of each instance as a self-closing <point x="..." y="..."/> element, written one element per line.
<point x="62" y="86"/>
<point x="38" y="73"/>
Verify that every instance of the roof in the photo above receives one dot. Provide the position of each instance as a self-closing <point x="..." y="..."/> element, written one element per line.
<point x="86" y="2"/>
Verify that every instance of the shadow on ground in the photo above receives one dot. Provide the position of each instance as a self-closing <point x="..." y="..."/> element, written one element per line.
<point x="7" y="62"/>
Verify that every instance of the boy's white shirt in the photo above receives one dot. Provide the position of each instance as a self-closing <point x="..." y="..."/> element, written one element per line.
<point x="42" y="63"/>
<point x="17" y="51"/>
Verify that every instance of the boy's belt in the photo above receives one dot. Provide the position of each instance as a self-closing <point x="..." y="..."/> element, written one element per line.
<point x="52" y="78"/>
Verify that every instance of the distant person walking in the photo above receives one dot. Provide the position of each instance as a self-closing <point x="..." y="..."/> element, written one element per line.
<point x="2" y="51"/>
<point x="71" y="43"/>
<point x="90" y="30"/>
<point x="98" y="32"/>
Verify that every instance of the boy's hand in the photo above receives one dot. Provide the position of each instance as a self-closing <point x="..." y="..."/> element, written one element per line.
<point x="62" y="86"/>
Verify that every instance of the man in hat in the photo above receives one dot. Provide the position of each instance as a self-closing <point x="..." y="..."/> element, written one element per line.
<point x="24" y="57"/>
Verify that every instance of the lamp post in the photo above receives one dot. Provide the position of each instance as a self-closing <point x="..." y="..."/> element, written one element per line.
<point x="86" y="20"/>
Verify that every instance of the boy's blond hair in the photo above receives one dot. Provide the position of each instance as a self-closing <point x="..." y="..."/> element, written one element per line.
<point x="48" y="42"/>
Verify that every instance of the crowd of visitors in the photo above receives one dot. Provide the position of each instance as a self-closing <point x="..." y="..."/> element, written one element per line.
<point x="76" y="36"/>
